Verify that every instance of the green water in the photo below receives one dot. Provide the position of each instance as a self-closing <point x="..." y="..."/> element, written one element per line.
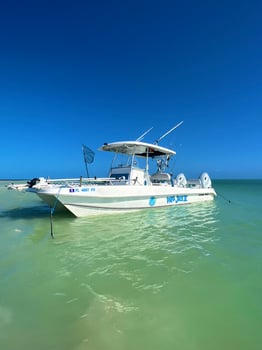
<point x="186" y="278"/>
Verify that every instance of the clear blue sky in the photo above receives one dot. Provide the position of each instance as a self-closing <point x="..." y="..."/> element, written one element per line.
<point x="74" y="72"/>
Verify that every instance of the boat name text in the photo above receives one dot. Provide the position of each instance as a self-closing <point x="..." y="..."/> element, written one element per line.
<point x="176" y="199"/>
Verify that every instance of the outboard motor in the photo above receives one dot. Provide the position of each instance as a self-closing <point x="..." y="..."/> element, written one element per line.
<point x="205" y="180"/>
<point x="181" y="180"/>
<point x="33" y="182"/>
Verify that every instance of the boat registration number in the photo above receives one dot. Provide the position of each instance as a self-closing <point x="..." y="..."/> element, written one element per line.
<point x="84" y="189"/>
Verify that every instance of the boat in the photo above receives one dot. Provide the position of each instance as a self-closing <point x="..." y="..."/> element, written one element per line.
<point x="17" y="187"/>
<point x="130" y="184"/>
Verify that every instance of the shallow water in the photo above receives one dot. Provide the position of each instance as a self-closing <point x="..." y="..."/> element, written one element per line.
<point x="184" y="278"/>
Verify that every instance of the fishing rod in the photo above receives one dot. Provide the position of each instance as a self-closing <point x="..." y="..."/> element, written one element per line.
<point x="144" y="134"/>
<point x="168" y="132"/>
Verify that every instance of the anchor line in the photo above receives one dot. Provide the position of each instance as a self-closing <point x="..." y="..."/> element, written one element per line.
<point x="223" y="197"/>
<point x="52" y="210"/>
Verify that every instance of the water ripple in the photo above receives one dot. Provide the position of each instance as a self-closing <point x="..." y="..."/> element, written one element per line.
<point x="138" y="251"/>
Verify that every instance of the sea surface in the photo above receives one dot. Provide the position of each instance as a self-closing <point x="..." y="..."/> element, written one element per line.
<point x="181" y="278"/>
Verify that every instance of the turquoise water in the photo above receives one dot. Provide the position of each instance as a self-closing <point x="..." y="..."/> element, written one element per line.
<point x="186" y="278"/>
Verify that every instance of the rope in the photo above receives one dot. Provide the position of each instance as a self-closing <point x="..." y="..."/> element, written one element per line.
<point x="52" y="210"/>
<point x="226" y="199"/>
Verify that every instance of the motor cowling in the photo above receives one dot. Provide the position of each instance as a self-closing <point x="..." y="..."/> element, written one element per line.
<point x="181" y="180"/>
<point x="33" y="182"/>
<point x="205" y="180"/>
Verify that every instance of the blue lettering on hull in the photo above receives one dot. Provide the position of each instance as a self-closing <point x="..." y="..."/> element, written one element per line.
<point x="85" y="189"/>
<point x="91" y="189"/>
<point x="176" y="199"/>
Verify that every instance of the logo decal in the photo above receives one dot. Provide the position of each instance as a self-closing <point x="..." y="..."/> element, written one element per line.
<point x="152" y="201"/>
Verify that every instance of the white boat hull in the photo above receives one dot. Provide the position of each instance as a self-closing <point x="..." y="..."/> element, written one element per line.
<point x="129" y="186"/>
<point x="95" y="200"/>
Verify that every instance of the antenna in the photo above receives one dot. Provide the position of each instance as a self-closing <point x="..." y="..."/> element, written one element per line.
<point x="144" y="134"/>
<point x="168" y="132"/>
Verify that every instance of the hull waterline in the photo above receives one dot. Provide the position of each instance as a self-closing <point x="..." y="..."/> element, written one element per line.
<point x="120" y="199"/>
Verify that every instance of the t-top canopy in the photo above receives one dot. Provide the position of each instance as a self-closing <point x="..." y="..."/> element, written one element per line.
<point x="140" y="149"/>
